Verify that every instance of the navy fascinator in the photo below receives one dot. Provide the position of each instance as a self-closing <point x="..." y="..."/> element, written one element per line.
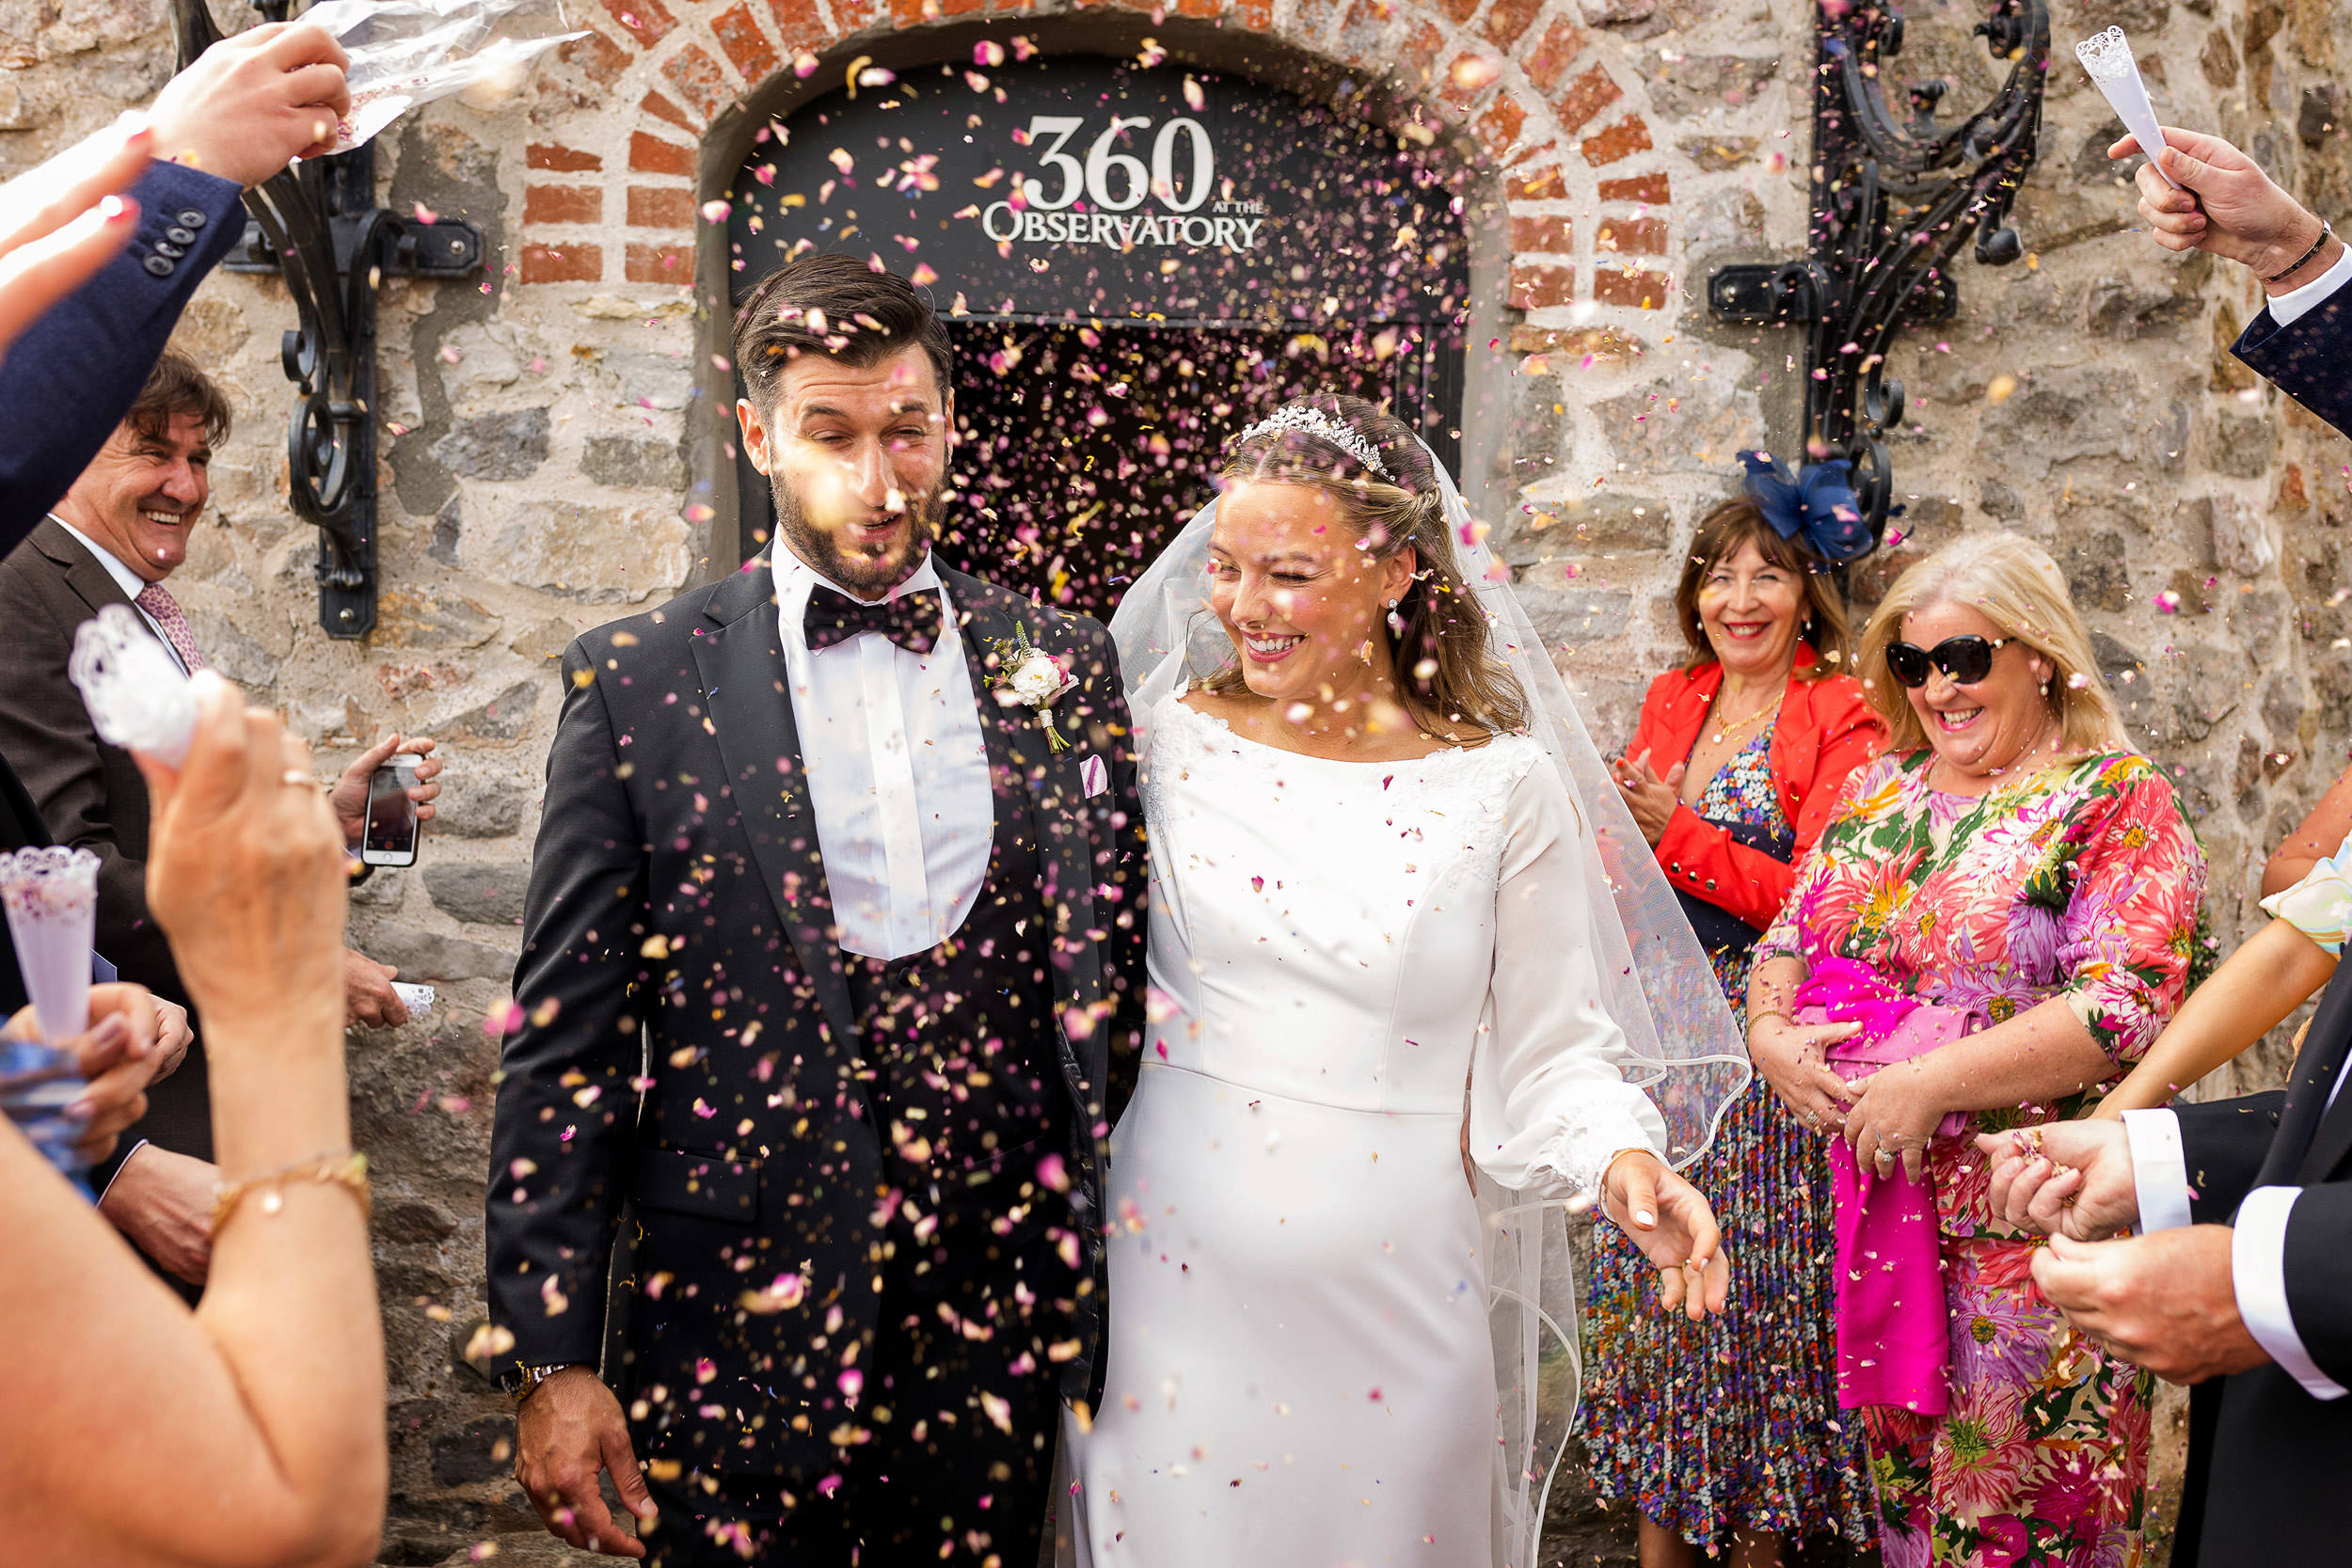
<point x="1816" y="506"/>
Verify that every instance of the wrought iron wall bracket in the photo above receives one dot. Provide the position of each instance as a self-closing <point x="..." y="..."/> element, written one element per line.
<point x="444" y="249"/>
<point x="1891" y="203"/>
<point x="317" y="225"/>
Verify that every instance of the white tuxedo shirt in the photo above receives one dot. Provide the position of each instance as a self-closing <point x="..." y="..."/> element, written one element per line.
<point x="897" y="770"/>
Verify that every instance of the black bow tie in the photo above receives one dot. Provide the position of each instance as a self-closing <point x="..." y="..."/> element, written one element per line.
<point x="912" y="620"/>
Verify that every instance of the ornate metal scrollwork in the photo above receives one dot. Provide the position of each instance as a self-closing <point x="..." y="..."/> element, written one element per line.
<point x="1892" y="205"/>
<point x="318" y="224"/>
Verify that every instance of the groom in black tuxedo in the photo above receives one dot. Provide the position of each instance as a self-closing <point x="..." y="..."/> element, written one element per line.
<point x="832" y="956"/>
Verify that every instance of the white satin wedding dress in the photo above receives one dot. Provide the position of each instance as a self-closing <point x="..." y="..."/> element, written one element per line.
<point x="1301" y="1367"/>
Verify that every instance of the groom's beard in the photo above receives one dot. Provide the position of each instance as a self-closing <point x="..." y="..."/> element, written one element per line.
<point x="867" y="571"/>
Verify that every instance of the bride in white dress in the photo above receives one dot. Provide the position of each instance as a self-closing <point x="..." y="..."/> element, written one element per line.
<point x="1373" y="896"/>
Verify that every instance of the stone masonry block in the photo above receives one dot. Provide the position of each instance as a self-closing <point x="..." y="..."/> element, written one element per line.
<point x="481" y="895"/>
<point x="633" y="463"/>
<point x="496" y="445"/>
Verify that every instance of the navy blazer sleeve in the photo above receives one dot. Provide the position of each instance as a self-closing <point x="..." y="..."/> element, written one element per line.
<point x="2309" y="358"/>
<point x="66" y="383"/>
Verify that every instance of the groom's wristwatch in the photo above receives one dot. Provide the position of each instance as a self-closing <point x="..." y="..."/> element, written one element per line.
<point x="522" y="1382"/>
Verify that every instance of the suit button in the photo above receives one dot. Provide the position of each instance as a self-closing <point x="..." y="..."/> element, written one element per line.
<point x="165" y="247"/>
<point x="191" y="218"/>
<point x="180" y="236"/>
<point x="158" y="265"/>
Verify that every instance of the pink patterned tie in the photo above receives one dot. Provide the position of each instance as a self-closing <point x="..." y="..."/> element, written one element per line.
<point x="157" y="601"/>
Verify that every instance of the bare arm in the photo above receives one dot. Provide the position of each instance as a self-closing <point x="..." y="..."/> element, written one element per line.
<point x="1788" y="1053"/>
<point x="250" y="1432"/>
<point x="2043" y="1054"/>
<point x="2264" y="981"/>
<point x="2316" y="837"/>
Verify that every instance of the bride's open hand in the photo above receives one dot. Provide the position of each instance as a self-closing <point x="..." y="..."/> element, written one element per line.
<point x="1671" y="1223"/>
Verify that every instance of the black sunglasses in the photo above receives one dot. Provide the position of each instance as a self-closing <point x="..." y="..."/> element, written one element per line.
<point x="1966" y="659"/>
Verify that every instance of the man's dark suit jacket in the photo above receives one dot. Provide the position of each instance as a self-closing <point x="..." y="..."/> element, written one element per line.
<point x="89" y="793"/>
<point x="678" y="886"/>
<point x="73" y="376"/>
<point x="2268" y="1463"/>
<point x="2309" y="358"/>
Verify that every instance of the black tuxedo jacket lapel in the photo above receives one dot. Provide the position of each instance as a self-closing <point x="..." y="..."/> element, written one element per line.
<point x="2309" y="1133"/>
<point x="739" y="655"/>
<point x="1018" y="750"/>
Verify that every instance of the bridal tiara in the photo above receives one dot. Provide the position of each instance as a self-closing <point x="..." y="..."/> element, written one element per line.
<point x="1314" y="422"/>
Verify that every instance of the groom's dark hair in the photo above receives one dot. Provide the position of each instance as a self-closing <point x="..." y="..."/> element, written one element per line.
<point x="838" y="306"/>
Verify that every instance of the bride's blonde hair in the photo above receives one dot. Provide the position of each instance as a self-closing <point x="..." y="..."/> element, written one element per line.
<point x="1446" y="665"/>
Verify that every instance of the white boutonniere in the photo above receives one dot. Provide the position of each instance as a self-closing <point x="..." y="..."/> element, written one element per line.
<point x="1028" y="676"/>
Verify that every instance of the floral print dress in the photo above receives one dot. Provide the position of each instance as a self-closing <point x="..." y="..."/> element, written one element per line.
<point x="1731" y="1423"/>
<point x="2081" y="883"/>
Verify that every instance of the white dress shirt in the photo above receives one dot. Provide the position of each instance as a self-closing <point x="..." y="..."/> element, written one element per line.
<point x="128" y="580"/>
<point x="2297" y="303"/>
<point x="2257" y="1240"/>
<point x="898" y="771"/>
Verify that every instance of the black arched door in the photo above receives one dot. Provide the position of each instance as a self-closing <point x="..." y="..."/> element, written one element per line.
<point x="1137" y="262"/>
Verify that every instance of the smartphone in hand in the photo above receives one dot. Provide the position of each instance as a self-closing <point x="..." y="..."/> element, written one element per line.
<point x="392" y="824"/>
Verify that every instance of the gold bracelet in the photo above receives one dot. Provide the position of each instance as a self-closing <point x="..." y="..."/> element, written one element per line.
<point x="1754" y="1019"/>
<point x="348" y="1171"/>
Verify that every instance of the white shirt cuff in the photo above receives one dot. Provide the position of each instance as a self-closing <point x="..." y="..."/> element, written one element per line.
<point x="2298" y="302"/>
<point x="2159" y="1169"/>
<point x="2258" y="1274"/>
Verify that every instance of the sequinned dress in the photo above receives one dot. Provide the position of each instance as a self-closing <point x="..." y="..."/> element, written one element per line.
<point x="1732" y="1423"/>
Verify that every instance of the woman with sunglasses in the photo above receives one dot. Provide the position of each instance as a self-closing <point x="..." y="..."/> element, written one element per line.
<point x="1733" y="772"/>
<point x="2014" y="880"/>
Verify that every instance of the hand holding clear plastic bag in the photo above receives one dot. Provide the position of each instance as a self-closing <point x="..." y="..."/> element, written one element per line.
<point x="405" y="52"/>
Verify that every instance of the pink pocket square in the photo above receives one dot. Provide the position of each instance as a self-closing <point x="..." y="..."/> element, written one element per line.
<point x="1093" y="775"/>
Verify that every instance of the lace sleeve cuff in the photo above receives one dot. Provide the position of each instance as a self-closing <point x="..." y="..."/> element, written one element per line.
<point x="1570" y="1154"/>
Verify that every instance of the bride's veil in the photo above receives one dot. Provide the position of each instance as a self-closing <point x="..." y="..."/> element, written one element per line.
<point x="1681" y="1044"/>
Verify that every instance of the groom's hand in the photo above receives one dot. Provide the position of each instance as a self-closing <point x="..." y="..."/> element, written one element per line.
<point x="1671" y="1223"/>
<point x="568" y="1429"/>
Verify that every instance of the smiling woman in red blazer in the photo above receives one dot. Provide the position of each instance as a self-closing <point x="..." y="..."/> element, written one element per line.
<point x="1729" y="1437"/>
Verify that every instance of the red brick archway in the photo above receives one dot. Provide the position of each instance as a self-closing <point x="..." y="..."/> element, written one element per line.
<point x="621" y="153"/>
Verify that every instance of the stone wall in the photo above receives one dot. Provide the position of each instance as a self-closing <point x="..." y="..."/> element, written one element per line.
<point x="550" y="450"/>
